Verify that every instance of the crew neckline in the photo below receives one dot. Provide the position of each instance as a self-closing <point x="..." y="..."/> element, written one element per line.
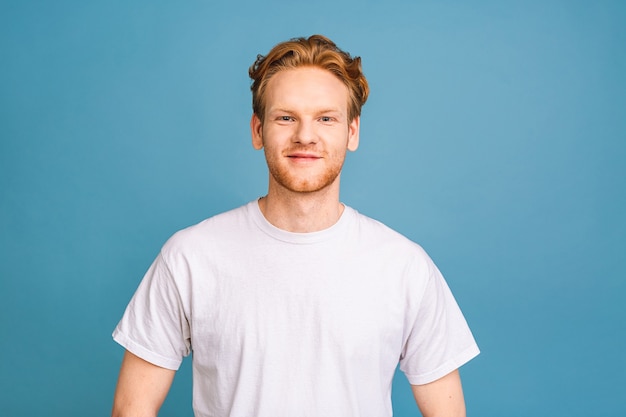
<point x="296" y="237"/>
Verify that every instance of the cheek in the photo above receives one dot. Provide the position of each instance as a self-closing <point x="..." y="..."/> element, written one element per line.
<point x="276" y="134"/>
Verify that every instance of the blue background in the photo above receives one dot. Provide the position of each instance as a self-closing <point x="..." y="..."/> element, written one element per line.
<point x="494" y="136"/>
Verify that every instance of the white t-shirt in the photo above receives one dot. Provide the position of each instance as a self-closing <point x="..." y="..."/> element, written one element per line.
<point x="295" y="324"/>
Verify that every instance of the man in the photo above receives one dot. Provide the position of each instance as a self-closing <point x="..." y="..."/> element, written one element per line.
<point x="294" y="304"/>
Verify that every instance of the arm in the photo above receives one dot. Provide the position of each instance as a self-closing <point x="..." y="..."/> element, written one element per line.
<point x="441" y="398"/>
<point x="141" y="388"/>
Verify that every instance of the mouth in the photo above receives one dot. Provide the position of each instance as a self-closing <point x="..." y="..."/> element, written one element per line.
<point x="301" y="156"/>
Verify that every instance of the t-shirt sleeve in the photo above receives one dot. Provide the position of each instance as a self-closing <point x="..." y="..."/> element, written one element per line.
<point x="155" y="326"/>
<point x="440" y="340"/>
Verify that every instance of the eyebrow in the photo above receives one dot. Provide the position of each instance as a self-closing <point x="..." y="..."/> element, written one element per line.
<point x="318" y="112"/>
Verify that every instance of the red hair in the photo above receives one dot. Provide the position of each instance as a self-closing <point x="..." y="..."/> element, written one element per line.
<point x="316" y="51"/>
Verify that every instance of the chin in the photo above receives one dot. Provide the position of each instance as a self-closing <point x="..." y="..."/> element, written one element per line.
<point x="307" y="186"/>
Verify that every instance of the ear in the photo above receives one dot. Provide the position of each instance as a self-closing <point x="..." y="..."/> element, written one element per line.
<point x="353" y="134"/>
<point x="256" y="128"/>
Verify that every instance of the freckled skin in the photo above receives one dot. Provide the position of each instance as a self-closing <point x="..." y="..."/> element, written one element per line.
<point x="306" y="116"/>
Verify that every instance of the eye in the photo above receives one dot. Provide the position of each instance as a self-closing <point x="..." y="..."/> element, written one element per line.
<point x="284" y="118"/>
<point x="326" y="119"/>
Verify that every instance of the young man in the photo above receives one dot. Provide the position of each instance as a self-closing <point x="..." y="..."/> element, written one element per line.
<point x="294" y="304"/>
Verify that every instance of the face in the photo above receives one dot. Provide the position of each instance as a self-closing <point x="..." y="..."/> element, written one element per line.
<point x="305" y="132"/>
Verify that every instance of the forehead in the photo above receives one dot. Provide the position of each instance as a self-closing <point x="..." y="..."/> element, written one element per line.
<point x="306" y="89"/>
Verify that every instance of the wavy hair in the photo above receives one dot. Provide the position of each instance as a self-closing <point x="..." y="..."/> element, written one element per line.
<point x="315" y="51"/>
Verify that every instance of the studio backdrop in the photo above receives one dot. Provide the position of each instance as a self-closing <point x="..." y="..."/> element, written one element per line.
<point x="494" y="136"/>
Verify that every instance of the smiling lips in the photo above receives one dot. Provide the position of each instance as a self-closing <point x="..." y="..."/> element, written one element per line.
<point x="303" y="157"/>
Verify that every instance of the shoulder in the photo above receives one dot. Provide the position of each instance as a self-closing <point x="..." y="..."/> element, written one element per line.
<point x="207" y="233"/>
<point x="383" y="237"/>
<point x="371" y="228"/>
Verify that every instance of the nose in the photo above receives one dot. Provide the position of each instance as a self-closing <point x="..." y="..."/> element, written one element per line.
<point x="305" y="132"/>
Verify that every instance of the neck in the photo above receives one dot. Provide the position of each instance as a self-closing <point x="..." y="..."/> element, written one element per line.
<point x="302" y="212"/>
